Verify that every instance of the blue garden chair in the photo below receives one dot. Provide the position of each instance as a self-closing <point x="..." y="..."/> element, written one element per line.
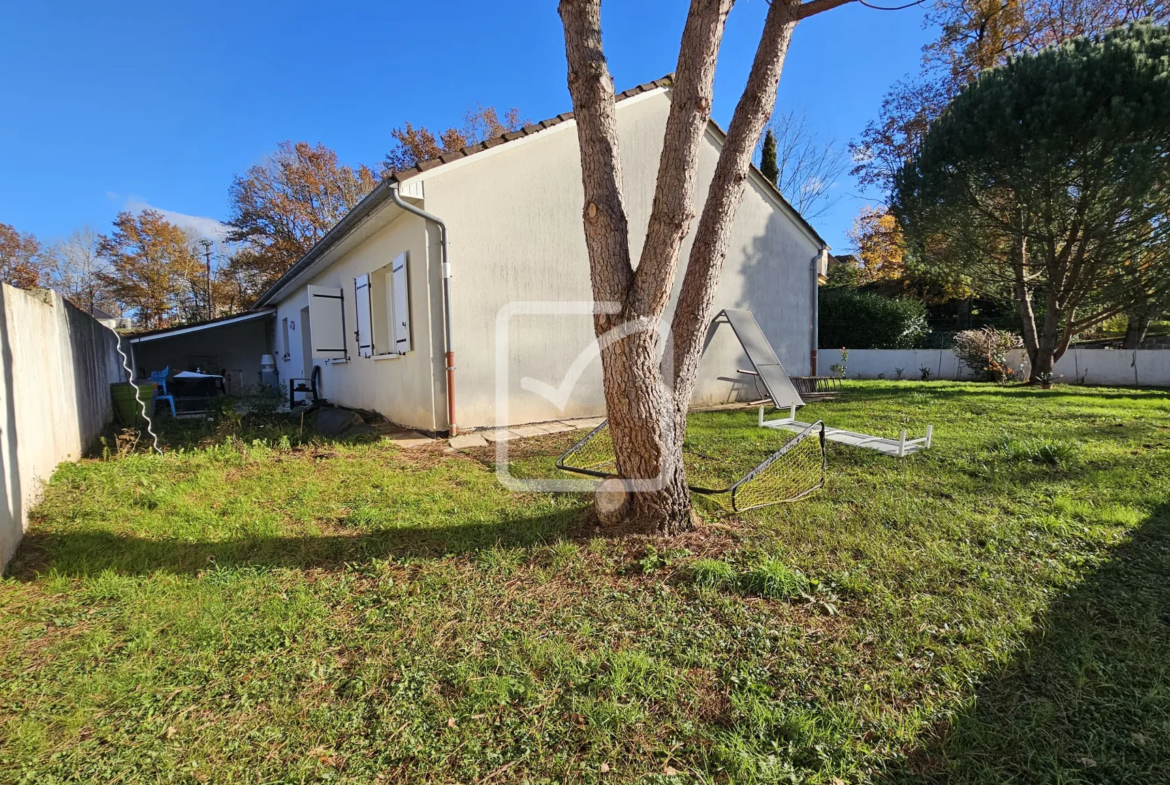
<point x="160" y="378"/>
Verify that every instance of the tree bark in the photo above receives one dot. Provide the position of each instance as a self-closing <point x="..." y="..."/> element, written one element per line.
<point x="1048" y="342"/>
<point x="654" y="496"/>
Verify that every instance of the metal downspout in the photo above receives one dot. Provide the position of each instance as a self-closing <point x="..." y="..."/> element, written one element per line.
<point x="450" y="355"/>
<point x="816" y="316"/>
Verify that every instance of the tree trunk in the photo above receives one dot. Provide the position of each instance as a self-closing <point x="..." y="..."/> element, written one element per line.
<point x="1137" y="326"/>
<point x="646" y="402"/>
<point x="653" y="494"/>
<point x="697" y="296"/>
<point x="1047" y="343"/>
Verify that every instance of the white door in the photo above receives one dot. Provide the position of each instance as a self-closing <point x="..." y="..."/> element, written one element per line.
<point x="327" y="318"/>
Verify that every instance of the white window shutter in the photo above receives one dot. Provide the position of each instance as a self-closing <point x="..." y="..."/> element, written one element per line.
<point x="327" y="322"/>
<point x="401" y="287"/>
<point x="361" y="302"/>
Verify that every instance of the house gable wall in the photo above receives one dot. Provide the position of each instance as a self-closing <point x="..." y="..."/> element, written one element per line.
<point x="516" y="236"/>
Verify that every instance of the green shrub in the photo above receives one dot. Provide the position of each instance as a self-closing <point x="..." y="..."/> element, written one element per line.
<point x="867" y="320"/>
<point x="711" y="573"/>
<point x="775" y="580"/>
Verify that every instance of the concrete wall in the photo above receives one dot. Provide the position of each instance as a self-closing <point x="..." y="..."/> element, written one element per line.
<point x="1140" y="368"/>
<point x="57" y="363"/>
<point x="237" y="348"/>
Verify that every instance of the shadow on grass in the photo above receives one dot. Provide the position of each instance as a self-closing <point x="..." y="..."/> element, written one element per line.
<point x="1058" y="393"/>
<point x="81" y="554"/>
<point x="1087" y="699"/>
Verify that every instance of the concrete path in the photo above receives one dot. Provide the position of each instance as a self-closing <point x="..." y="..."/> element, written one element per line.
<point x="484" y="437"/>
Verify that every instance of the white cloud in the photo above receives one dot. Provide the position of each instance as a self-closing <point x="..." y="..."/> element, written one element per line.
<point x="199" y="225"/>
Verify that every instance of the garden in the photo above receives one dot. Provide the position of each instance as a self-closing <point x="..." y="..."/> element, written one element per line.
<point x="264" y="605"/>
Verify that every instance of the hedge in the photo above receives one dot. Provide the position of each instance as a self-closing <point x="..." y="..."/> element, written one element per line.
<point x="866" y="320"/>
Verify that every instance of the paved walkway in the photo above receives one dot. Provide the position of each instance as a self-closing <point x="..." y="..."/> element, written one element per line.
<point x="490" y="436"/>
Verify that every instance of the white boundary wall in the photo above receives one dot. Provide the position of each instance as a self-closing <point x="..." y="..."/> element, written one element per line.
<point x="1136" y="368"/>
<point x="57" y="363"/>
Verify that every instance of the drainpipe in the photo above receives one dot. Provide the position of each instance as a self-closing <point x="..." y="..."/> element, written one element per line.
<point x="450" y="356"/>
<point x="816" y="316"/>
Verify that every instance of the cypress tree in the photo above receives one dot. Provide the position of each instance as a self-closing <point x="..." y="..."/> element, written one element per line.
<point x="768" y="165"/>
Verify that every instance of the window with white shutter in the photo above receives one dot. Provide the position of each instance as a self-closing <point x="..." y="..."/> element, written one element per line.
<point x="361" y="301"/>
<point x="327" y="322"/>
<point x="401" y="311"/>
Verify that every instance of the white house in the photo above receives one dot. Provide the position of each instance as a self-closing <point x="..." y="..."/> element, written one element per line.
<point x="367" y="305"/>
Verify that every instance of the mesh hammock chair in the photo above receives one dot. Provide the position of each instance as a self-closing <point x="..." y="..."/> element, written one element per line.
<point x="794" y="471"/>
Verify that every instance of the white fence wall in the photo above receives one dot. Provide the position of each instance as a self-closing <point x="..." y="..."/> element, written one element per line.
<point x="56" y="364"/>
<point x="1138" y="368"/>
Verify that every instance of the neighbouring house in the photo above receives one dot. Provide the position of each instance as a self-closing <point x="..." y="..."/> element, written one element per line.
<point x="367" y="304"/>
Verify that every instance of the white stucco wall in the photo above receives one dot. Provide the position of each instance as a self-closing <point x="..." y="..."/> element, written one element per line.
<point x="406" y="389"/>
<point x="515" y="229"/>
<point x="1121" y="367"/>
<point x="56" y="364"/>
<point x="516" y="236"/>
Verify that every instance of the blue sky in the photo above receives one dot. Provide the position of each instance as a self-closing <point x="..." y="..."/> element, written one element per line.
<point x="109" y="106"/>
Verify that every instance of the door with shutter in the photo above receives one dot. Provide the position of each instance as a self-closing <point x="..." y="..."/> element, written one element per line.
<point x="361" y="303"/>
<point x="401" y="286"/>
<point x="327" y="322"/>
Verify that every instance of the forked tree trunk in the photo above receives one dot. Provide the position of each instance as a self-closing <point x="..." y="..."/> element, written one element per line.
<point x="709" y="249"/>
<point x="1047" y="342"/>
<point x="646" y="402"/>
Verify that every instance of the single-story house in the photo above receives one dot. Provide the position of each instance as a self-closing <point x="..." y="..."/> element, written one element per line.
<point x="482" y="252"/>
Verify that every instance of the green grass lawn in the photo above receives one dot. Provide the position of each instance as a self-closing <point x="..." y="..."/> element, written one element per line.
<point x="270" y="608"/>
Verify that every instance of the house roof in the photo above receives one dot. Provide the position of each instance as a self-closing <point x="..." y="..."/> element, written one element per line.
<point x="381" y="192"/>
<point x="527" y="130"/>
<point x="223" y="321"/>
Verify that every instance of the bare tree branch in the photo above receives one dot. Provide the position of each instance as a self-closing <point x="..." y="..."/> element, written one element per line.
<point x="818" y="7"/>
<point x="809" y="166"/>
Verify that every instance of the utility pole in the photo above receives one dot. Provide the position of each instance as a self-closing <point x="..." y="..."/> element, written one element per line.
<point x="207" y="255"/>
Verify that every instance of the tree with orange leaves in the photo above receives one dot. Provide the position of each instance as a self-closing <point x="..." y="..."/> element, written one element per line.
<point x="282" y="207"/>
<point x="414" y="145"/>
<point x="876" y="236"/>
<point x="150" y="259"/>
<point x="20" y="263"/>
